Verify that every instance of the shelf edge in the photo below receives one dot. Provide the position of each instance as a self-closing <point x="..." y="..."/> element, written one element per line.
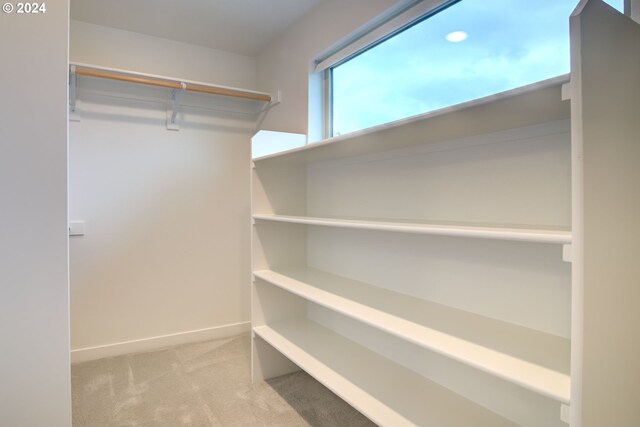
<point x="494" y="233"/>
<point x="521" y="90"/>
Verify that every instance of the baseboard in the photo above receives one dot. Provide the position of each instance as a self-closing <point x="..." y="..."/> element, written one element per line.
<point x="155" y="343"/>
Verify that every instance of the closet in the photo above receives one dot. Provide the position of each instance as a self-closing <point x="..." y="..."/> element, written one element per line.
<point x="465" y="267"/>
<point x="159" y="183"/>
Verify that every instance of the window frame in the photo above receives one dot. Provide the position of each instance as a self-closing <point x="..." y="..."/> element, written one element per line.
<point x="396" y="19"/>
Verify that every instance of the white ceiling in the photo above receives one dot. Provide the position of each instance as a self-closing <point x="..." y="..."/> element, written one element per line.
<point x="240" y="26"/>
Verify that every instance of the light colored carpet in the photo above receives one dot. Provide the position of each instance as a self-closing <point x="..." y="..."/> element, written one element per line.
<point x="203" y="384"/>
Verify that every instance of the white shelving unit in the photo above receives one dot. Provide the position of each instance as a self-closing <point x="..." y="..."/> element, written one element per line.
<point x="420" y="269"/>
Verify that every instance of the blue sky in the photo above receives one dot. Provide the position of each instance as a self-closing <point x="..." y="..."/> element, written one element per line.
<point x="510" y="43"/>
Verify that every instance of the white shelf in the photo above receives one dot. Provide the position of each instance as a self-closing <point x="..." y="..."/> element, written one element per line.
<point x="524" y="106"/>
<point x="529" y="358"/>
<point x="119" y="71"/>
<point x="390" y="395"/>
<point x="522" y="234"/>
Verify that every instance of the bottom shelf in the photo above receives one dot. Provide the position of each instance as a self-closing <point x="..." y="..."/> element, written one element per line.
<point x="388" y="394"/>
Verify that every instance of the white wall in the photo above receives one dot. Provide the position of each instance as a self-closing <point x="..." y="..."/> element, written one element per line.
<point x="111" y="47"/>
<point x="284" y="65"/>
<point x="34" y="312"/>
<point x="165" y="257"/>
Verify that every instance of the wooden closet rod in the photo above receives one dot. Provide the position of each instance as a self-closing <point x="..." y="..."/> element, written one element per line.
<point x="175" y="85"/>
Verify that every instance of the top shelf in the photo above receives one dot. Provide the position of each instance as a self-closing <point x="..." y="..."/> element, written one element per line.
<point x="109" y="73"/>
<point x="524" y="106"/>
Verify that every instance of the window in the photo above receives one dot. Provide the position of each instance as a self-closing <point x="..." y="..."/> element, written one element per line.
<point x="266" y="142"/>
<point x="468" y="50"/>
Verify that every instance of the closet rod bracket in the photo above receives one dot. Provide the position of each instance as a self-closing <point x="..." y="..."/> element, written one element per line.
<point x="262" y="114"/>
<point x="174" y="105"/>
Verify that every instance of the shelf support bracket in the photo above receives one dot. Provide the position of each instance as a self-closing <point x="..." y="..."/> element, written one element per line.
<point x="565" y="91"/>
<point x="74" y="115"/>
<point x="564" y="413"/>
<point x="566" y="252"/>
<point x="172" y="111"/>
